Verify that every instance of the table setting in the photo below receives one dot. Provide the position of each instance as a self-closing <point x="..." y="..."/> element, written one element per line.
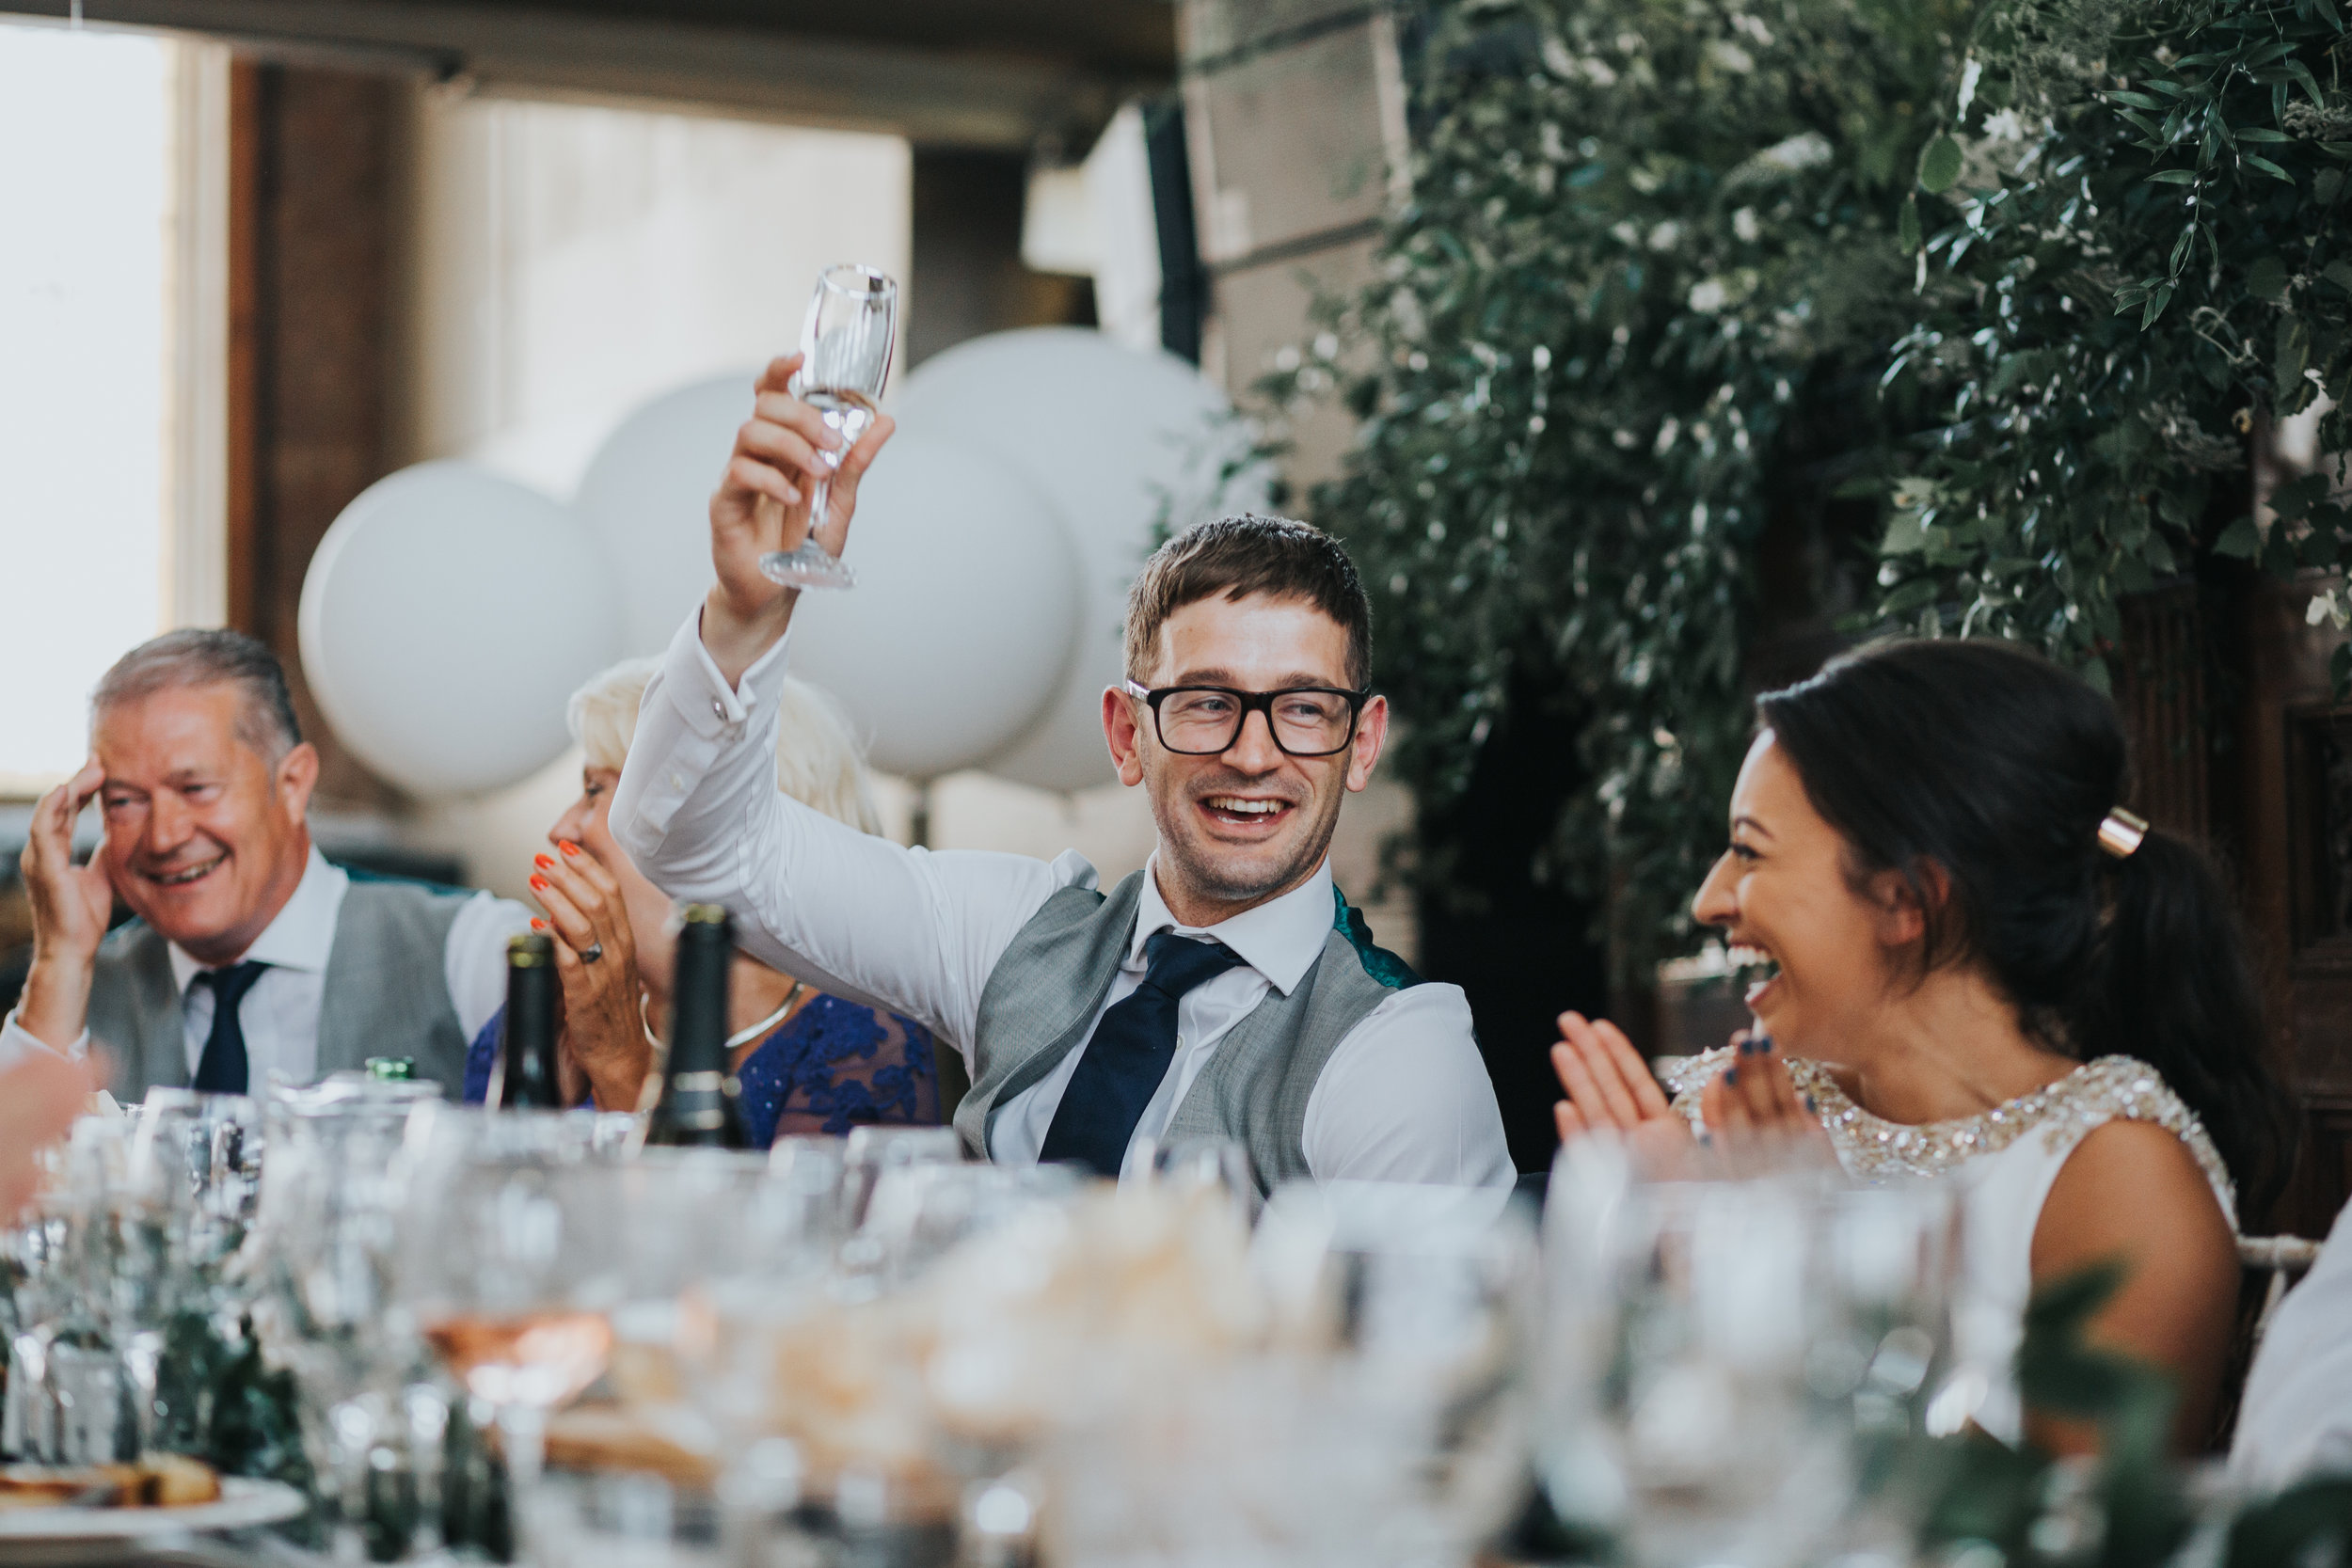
<point x="353" y="1323"/>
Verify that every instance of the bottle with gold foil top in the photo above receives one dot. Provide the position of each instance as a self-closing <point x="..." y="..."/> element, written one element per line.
<point x="524" y="1077"/>
<point x="700" y="1099"/>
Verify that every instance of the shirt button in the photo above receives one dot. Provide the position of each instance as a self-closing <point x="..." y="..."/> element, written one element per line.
<point x="678" y="781"/>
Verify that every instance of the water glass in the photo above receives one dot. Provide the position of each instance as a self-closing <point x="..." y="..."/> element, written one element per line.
<point x="1204" y="1164"/>
<point x="1720" y="1355"/>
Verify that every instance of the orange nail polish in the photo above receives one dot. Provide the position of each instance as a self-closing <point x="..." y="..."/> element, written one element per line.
<point x="537" y="923"/>
<point x="569" y="847"/>
<point x="543" y="863"/>
<point x="540" y="883"/>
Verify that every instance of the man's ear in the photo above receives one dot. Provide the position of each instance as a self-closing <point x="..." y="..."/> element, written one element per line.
<point x="1372" y="733"/>
<point x="297" y="775"/>
<point x="1124" y="735"/>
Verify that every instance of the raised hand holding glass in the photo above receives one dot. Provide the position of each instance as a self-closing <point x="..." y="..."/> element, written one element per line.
<point x="845" y="343"/>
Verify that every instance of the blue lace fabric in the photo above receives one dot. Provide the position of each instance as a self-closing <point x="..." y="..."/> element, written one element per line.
<point x="830" y="1066"/>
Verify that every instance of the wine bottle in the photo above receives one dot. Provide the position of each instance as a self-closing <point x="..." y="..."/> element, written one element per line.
<point x="700" y="1105"/>
<point x="524" y="1077"/>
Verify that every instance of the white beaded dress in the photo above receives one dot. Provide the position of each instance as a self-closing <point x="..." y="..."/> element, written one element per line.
<point x="2007" y="1158"/>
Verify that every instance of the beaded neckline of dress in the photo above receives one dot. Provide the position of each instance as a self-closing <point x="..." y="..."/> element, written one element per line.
<point x="1872" y="1149"/>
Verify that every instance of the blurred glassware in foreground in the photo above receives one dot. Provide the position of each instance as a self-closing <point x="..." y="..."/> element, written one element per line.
<point x="334" y="1189"/>
<point x="511" y="1263"/>
<point x="1732" y="1371"/>
<point x="1204" y="1162"/>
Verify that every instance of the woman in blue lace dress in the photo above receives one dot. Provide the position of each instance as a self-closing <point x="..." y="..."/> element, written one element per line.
<point x="808" y="1063"/>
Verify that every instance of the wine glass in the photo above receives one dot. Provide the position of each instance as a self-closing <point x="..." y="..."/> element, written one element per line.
<point x="1205" y="1163"/>
<point x="845" y="344"/>
<point x="512" y="1265"/>
<point x="1708" y="1424"/>
<point x="202" y="1152"/>
<point x="333" y="1196"/>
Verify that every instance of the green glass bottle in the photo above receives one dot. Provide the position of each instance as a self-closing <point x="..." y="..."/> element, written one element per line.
<point x="700" y="1105"/>
<point x="524" y="1077"/>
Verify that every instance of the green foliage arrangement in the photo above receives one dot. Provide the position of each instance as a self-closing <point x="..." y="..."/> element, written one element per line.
<point x="2139" y="259"/>
<point x="2020" y="278"/>
<point x="1648" y="240"/>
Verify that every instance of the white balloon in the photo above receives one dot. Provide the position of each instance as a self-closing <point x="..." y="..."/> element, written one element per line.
<point x="959" y="627"/>
<point x="445" y="618"/>
<point x="962" y="618"/>
<point x="1116" y="438"/>
<point x="646" y="493"/>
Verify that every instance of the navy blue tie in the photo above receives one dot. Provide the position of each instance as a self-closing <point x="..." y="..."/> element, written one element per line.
<point x="1124" y="1063"/>
<point x="222" y="1069"/>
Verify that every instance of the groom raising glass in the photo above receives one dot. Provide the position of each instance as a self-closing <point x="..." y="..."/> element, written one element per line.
<point x="1224" y="990"/>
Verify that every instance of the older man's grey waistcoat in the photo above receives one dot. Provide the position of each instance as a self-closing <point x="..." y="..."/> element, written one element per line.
<point x="1041" y="1001"/>
<point x="386" y="993"/>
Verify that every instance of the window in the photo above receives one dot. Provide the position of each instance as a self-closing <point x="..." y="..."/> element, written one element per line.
<point x="110" y="459"/>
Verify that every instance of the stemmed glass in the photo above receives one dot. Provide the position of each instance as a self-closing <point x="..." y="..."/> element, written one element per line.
<point x="1732" y="1358"/>
<point x="846" y="342"/>
<point x="64" y="1392"/>
<point x="1203" y="1162"/>
<point x="511" y="1266"/>
<point x="201" y="1153"/>
<point x="333" y="1193"/>
<point x="190" y="1197"/>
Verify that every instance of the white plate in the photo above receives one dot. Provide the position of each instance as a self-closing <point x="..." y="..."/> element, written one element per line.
<point x="243" y="1504"/>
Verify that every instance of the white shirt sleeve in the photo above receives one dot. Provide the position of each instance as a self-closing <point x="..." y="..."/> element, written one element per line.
<point x="1407" y="1098"/>
<point x="2296" y="1417"/>
<point x="17" y="1042"/>
<point x="697" y="810"/>
<point x="474" y="960"/>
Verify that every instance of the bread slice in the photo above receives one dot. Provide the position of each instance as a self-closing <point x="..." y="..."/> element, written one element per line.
<point x="175" y="1480"/>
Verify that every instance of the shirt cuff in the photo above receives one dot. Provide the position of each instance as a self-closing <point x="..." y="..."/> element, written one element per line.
<point x="708" y="705"/>
<point x="17" y="1044"/>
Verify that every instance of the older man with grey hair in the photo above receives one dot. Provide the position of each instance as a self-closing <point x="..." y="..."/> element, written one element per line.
<point x="251" y="955"/>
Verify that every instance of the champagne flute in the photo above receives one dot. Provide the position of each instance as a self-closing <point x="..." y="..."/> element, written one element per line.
<point x="845" y="344"/>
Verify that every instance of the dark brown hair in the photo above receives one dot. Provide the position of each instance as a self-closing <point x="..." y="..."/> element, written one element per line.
<point x="1245" y="555"/>
<point x="1997" y="765"/>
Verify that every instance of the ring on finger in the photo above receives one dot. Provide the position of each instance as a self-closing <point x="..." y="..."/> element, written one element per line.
<point x="591" y="953"/>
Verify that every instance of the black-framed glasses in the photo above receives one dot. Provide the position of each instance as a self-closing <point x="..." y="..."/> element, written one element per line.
<point x="1203" y="720"/>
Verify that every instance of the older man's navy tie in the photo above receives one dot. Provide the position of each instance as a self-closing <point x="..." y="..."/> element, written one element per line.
<point x="1124" y="1063"/>
<point x="222" y="1069"/>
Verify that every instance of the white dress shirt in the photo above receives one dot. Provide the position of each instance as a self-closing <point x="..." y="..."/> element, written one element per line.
<point x="279" y="1014"/>
<point x="1403" y="1098"/>
<point x="2296" y="1419"/>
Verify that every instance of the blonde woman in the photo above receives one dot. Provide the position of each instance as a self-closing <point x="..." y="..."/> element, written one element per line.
<point x="808" y="1062"/>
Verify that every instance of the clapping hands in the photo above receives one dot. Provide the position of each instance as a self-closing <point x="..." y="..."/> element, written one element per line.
<point x="1754" y="1120"/>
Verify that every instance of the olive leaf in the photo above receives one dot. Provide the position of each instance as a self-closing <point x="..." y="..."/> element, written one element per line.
<point x="1939" y="164"/>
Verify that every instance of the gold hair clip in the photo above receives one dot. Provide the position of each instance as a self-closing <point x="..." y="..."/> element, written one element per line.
<point x="2121" y="833"/>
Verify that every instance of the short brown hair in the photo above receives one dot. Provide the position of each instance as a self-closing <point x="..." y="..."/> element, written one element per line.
<point x="1245" y="555"/>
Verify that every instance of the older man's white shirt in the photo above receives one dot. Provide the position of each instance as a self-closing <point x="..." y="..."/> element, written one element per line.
<point x="1403" y="1098"/>
<point x="279" y="1015"/>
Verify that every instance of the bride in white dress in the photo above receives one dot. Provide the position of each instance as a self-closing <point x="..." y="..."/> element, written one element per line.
<point x="1984" y="970"/>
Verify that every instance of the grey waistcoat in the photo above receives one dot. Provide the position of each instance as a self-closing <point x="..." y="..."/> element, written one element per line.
<point x="1041" y="1001"/>
<point x="387" y="994"/>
